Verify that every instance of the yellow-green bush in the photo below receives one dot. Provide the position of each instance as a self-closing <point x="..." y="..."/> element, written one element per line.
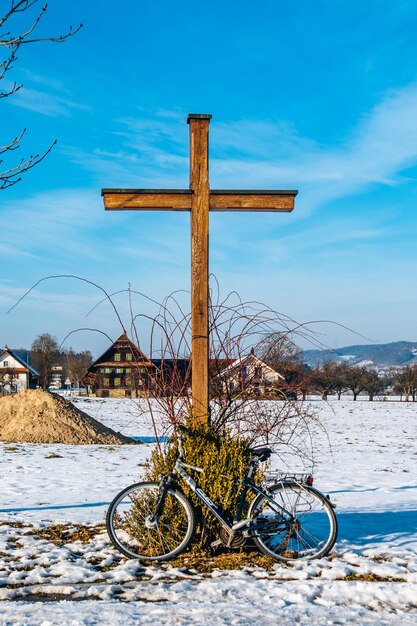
<point x="224" y="458"/>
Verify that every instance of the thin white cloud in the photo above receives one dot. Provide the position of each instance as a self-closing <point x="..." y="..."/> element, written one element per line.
<point x="11" y="251"/>
<point x="45" y="103"/>
<point x="259" y="154"/>
<point x="43" y="79"/>
<point x="152" y="168"/>
<point x="53" y="100"/>
<point x="57" y="223"/>
<point x="382" y="145"/>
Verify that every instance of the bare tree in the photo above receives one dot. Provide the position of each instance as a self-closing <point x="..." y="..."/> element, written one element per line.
<point x="45" y="354"/>
<point x="374" y="384"/>
<point x="356" y="378"/>
<point x="323" y="379"/>
<point x="236" y="329"/>
<point x="7" y="377"/>
<point x="339" y="373"/>
<point x="10" y="43"/>
<point x="279" y="351"/>
<point x="406" y="382"/>
<point x="75" y="365"/>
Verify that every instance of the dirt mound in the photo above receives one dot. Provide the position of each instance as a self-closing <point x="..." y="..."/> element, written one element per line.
<point x="37" y="416"/>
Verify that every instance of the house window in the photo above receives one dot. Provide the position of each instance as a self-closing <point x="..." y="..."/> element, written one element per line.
<point x="244" y="372"/>
<point x="5" y="363"/>
<point x="258" y="371"/>
<point x="106" y="382"/>
<point x="117" y="381"/>
<point x="129" y="356"/>
<point x="118" y="370"/>
<point x="118" y="357"/>
<point x="128" y="370"/>
<point x="128" y="381"/>
<point x="106" y="370"/>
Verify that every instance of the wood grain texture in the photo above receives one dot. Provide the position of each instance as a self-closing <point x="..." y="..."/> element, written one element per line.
<point x="181" y="200"/>
<point x="266" y="201"/>
<point x="199" y="184"/>
<point x="147" y="201"/>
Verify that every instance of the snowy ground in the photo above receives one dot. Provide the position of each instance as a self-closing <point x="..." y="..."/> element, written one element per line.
<point x="370" y="579"/>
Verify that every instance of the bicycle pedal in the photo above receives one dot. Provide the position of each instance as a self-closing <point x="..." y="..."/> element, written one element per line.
<point x="216" y="543"/>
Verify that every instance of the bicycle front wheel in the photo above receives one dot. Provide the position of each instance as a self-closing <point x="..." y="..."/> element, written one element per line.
<point x="299" y="522"/>
<point x="133" y="530"/>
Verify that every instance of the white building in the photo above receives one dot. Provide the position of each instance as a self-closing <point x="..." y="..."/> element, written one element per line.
<point x="15" y="374"/>
<point x="249" y="373"/>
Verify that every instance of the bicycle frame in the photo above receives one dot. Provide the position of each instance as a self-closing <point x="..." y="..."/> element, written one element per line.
<point x="239" y="524"/>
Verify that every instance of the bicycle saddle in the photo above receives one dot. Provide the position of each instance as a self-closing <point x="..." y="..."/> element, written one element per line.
<point x="263" y="453"/>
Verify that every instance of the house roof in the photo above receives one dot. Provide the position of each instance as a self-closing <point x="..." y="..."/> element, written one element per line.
<point x="242" y="360"/>
<point x="122" y="343"/>
<point x="32" y="370"/>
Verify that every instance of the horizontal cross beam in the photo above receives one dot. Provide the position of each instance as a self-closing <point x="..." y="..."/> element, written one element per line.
<point x="180" y="200"/>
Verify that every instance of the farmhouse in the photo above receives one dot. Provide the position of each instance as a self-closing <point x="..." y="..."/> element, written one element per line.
<point x="15" y="374"/>
<point x="123" y="370"/>
<point x="250" y="374"/>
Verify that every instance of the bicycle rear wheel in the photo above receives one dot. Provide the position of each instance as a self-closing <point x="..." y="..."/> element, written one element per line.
<point x="309" y="532"/>
<point x="133" y="532"/>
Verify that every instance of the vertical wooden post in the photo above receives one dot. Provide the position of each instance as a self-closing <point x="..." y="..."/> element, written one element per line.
<point x="199" y="185"/>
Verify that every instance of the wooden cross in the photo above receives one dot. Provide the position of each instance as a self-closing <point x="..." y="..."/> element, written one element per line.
<point x="199" y="200"/>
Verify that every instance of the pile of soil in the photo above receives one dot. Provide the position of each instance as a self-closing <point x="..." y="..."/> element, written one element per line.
<point x="37" y="416"/>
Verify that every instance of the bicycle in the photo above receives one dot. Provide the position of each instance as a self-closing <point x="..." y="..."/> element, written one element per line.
<point x="287" y="520"/>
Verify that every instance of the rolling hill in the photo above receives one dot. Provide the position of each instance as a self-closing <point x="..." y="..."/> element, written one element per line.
<point x="398" y="353"/>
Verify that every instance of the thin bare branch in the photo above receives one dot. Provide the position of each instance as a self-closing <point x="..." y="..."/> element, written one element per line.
<point x="77" y="330"/>
<point x="13" y="175"/>
<point x="72" y="276"/>
<point x="11" y="44"/>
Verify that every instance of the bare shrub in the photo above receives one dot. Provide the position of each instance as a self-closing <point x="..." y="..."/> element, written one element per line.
<point x="237" y="329"/>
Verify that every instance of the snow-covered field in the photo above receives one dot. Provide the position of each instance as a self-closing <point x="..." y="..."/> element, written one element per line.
<point x="371" y="577"/>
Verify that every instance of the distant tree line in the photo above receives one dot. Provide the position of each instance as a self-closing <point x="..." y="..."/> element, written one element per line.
<point x="339" y="378"/>
<point x="277" y="351"/>
<point x="332" y="378"/>
<point x="45" y="354"/>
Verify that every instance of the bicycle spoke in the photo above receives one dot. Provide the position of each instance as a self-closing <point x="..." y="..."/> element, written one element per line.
<point x="306" y="528"/>
<point x="136" y="532"/>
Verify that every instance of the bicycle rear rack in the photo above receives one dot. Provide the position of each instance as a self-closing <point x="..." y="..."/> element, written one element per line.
<point x="276" y="476"/>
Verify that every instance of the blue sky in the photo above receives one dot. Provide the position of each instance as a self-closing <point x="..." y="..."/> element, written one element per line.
<point x="316" y="96"/>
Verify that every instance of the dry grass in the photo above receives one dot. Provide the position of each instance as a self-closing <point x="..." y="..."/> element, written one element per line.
<point x="373" y="578"/>
<point x="196" y="562"/>
<point x="61" y="534"/>
<point x="204" y="563"/>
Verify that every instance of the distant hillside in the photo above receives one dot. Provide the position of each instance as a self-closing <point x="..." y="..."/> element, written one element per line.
<point x="381" y="354"/>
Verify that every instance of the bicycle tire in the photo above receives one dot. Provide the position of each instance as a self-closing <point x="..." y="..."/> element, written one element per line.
<point x="127" y="522"/>
<point x="311" y="534"/>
